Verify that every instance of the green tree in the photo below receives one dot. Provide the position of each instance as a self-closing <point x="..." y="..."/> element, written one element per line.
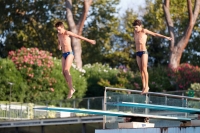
<point x="28" y="23"/>
<point x="191" y="54"/>
<point x="178" y="44"/>
<point x="103" y="25"/>
<point x="160" y="50"/>
<point x="99" y="25"/>
<point x="153" y="20"/>
<point x="76" y="24"/>
<point x="123" y="47"/>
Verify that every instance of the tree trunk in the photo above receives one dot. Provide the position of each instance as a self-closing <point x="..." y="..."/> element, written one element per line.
<point x="177" y="48"/>
<point x="176" y="54"/>
<point x="77" y="29"/>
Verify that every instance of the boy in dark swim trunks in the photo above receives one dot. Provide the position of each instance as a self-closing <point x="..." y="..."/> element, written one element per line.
<point x="64" y="44"/>
<point x="140" y="37"/>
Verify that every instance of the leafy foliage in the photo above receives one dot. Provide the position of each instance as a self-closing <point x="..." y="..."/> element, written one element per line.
<point x="185" y="75"/>
<point x="101" y="26"/>
<point x="9" y="74"/>
<point x="194" y="90"/>
<point x="35" y="66"/>
<point x="154" y="20"/>
<point x="28" y="23"/>
<point x="43" y="76"/>
<point x="61" y="88"/>
<point x="95" y="73"/>
<point x="123" y="48"/>
<point x="159" y="80"/>
<point x="99" y="76"/>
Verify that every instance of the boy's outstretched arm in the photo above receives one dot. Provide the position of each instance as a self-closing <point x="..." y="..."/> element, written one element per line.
<point x="156" y="34"/>
<point x="80" y="37"/>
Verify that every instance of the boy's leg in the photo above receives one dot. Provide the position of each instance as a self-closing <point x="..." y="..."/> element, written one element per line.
<point x="144" y="69"/>
<point x="139" y="62"/>
<point x="63" y="68"/>
<point x="67" y="66"/>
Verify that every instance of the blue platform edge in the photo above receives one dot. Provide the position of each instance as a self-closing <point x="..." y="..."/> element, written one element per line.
<point x="156" y="107"/>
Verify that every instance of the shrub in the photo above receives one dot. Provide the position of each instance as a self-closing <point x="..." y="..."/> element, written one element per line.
<point x="43" y="75"/>
<point x="185" y="75"/>
<point x="158" y="79"/>
<point x="124" y="79"/>
<point x="94" y="74"/>
<point x="100" y="76"/>
<point x="79" y="81"/>
<point x="35" y="66"/>
<point x="194" y="90"/>
<point x="10" y="74"/>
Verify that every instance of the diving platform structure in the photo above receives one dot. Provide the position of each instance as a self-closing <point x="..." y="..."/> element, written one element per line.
<point x="125" y="105"/>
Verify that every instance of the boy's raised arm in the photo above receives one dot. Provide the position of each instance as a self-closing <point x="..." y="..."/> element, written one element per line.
<point x="156" y="34"/>
<point x="80" y="37"/>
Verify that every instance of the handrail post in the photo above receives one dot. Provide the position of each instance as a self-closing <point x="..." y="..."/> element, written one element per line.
<point x="74" y="103"/>
<point x="166" y="100"/>
<point x="104" y="107"/>
<point x="186" y="105"/>
<point x="88" y="103"/>
<point x="21" y="111"/>
<point x="146" y="101"/>
<point x="60" y="103"/>
<point x="47" y="111"/>
<point x="117" y="102"/>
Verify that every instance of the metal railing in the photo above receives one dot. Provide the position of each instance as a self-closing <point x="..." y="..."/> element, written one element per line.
<point x="25" y="111"/>
<point x="112" y="94"/>
<point x="165" y="96"/>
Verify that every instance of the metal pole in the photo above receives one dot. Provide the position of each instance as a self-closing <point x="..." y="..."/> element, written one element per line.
<point x="186" y="105"/>
<point x="21" y="111"/>
<point x="47" y="105"/>
<point x="147" y="101"/>
<point x="118" y="105"/>
<point x="88" y="103"/>
<point x="83" y="128"/>
<point x="104" y="108"/>
<point x="74" y="103"/>
<point x="166" y="100"/>
<point x="16" y="130"/>
<point x="42" y="129"/>
<point x="11" y="84"/>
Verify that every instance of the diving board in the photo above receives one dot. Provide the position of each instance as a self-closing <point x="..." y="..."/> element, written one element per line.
<point x="110" y="113"/>
<point x="156" y="107"/>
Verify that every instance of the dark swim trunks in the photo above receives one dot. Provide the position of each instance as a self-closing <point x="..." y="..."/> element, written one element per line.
<point x="140" y="53"/>
<point x="67" y="53"/>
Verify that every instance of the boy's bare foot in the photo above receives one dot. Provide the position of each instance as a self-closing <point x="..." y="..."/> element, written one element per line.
<point x="145" y="91"/>
<point x="70" y="94"/>
<point x="142" y="91"/>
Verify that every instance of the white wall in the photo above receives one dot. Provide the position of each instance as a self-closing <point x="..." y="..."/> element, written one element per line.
<point x="153" y="130"/>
